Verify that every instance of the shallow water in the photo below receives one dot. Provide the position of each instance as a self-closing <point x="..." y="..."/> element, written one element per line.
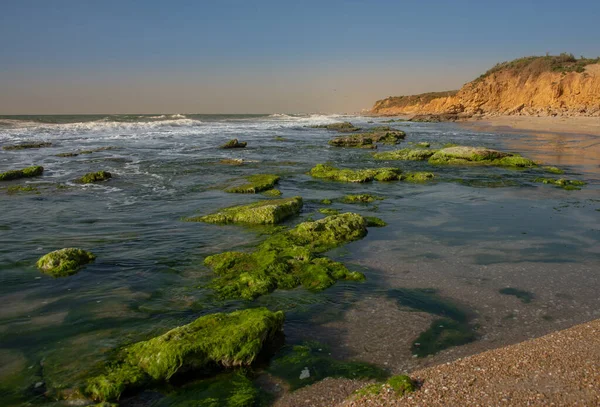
<point x="452" y="234"/>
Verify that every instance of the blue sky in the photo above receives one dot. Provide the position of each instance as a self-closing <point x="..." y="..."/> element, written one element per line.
<point x="242" y="56"/>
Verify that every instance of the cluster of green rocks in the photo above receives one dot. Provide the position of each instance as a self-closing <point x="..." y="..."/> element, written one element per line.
<point x="326" y="171"/>
<point x="567" y="184"/>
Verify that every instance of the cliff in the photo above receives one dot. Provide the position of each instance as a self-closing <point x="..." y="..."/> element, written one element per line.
<point x="540" y="86"/>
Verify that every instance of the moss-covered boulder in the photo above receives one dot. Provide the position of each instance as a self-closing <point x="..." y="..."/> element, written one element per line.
<point x="234" y="144"/>
<point x="398" y="385"/>
<point x="256" y="183"/>
<point x="346" y="175"/>
<point x="419" y="176"/>
<point x="92" y="177"/>
<point x="465" y="155"/>
<point x="566" y="184"/>
<point x="28" y="172"/>
<point x="264" y="212"/>
<point x="342" y="127"/>
<point x="64" y="262"/>
<point x="406" y="154"/>
<point x="367" y="140"/>
<point x="361" y="198"/>
<point x="27" y="146"/>
<point x="215" y="340"/>
<point x="288" y="259"/>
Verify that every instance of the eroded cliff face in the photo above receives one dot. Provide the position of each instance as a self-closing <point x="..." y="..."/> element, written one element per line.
<point x="510" y="93"/>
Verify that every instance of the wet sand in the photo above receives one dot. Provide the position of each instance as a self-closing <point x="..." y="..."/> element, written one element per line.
<point x="559" y="369"/>
<point x="559" y="124"/>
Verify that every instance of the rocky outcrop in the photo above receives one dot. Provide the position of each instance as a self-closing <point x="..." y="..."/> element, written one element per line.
<point x="534" y="86"/>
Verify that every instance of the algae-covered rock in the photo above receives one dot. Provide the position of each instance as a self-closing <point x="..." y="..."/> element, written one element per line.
<point x="553" y="170"/>
<point x="373" y="221"/>
<point x="28" y="172"/>
<point x="232" y="161"/>
<point x="406" y="154"/>
<point x="272" y="193"/>
<point x="342" y="127"/>
<point x="27" y="146"/>
<point x="346" y="175"/>
<point x="367" y="140"/>
<point x="229" y="390"/>
<point x="221" y="340"/>
<point x="256" y="183"/>
<point x="423" y="144"/>
<point x="21" y="188"/>
<point x="399" y="385"/>
<point x="64" y="262"/>
<point x="567" y="184"/>
<point x="234" y="144"/>
<point x="288" y="259"/>
<point x="329" y="211"/>
<point x="92" y="177"/>
<point x="361" y="198"/>
<point x="264" y="212"/>
<point x="67" y="154"/>
<point x="310" y="362"/>
<point x="465" y="155"/>
<point x="419" y="176"/>
<point x="326" y="201"/>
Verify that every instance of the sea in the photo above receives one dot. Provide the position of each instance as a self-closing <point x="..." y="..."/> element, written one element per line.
<point x="519" y="258"/>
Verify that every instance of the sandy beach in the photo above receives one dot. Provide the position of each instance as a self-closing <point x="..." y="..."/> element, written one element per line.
<point x="559" y="369"/>
<point x="558" y="124"/>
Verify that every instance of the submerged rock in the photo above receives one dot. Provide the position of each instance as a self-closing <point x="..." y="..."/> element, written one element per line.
<point x="232" y="161"/>
<point x="26" y="146"/>
<point x="567" y="184"/>
<point x="64" y="262"/>
<point x="214" y="340"/>
<point x="21" y="188"/>
<point x="234" y="144"/>
<point x="264" y="212"/>
<point x="343" y="127"/>
<point x="272" y="193"/>
<point x="362" y="198"/>
<point x="465" y="155"/>
<point x="346" y="175"/>
<point x="553" y="170"/>
<point x="24" y="173"/>
<point x="420" y="176"/>
<point x="92" y="177"/>
<point x="288" y="259"/>
<point x="373" y="221"/>
<point x="256" y="183"/>
<point x="406" y="154"/>
<point x="329" y="211"/>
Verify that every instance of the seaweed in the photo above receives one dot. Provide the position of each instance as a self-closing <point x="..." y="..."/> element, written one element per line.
<point x="270" y="211"/>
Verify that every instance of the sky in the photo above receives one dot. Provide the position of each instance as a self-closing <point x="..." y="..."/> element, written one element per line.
<point x="154" y="56"/>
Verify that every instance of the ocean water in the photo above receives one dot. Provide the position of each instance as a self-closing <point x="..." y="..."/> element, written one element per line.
<point x="468" y="234"/>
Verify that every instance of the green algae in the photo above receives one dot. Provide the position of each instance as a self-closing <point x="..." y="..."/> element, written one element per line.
<point x="329" y="211"/>
<point x="216" y="340"/>
<point x="27" y="146"/>
<point x="21" y="188"/>
<point x="306" y="364"/>
<point x="342" y="127"/>
<point x="279" y="138"/>
<point x="406" y="154"/>
<point x="524" y="296"/>
<point x="226" y="390"/>
<point x="400" y="385"/>
<point x="361" y="198"/>
<point x="452" y="329"/>
<point x="367" y="140"/>
<point x="28" y="172"/>
<point x="419" y="176"/>
<point x="465" y="155"/>
<point x="256" y="183"/>
<point x="566" y="184"/>
<point x="92" y="177"/>
<point x="325" y="171"/>
<point x="326" y="201"/>
<point x="488" y="183"/>
<point x="288" y="259"/>
<point x="373" y="221"/>
<point x="553" y="170"/>
<point x="272" y="193"/>
<point x="234" y="143"/>
<point x="271" y="211"/>
<point x="64" y="262"/>
<point x="423" y="144"/>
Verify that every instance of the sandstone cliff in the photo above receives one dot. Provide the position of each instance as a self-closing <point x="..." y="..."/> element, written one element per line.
<point x="544" y="86"/>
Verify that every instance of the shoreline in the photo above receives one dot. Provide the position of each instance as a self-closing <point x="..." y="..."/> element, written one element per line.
<point x="583" y="125"/>
<point x="561" y="369"/>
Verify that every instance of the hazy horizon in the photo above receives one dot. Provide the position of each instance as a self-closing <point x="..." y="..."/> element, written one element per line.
<point x="233" y="57"/>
